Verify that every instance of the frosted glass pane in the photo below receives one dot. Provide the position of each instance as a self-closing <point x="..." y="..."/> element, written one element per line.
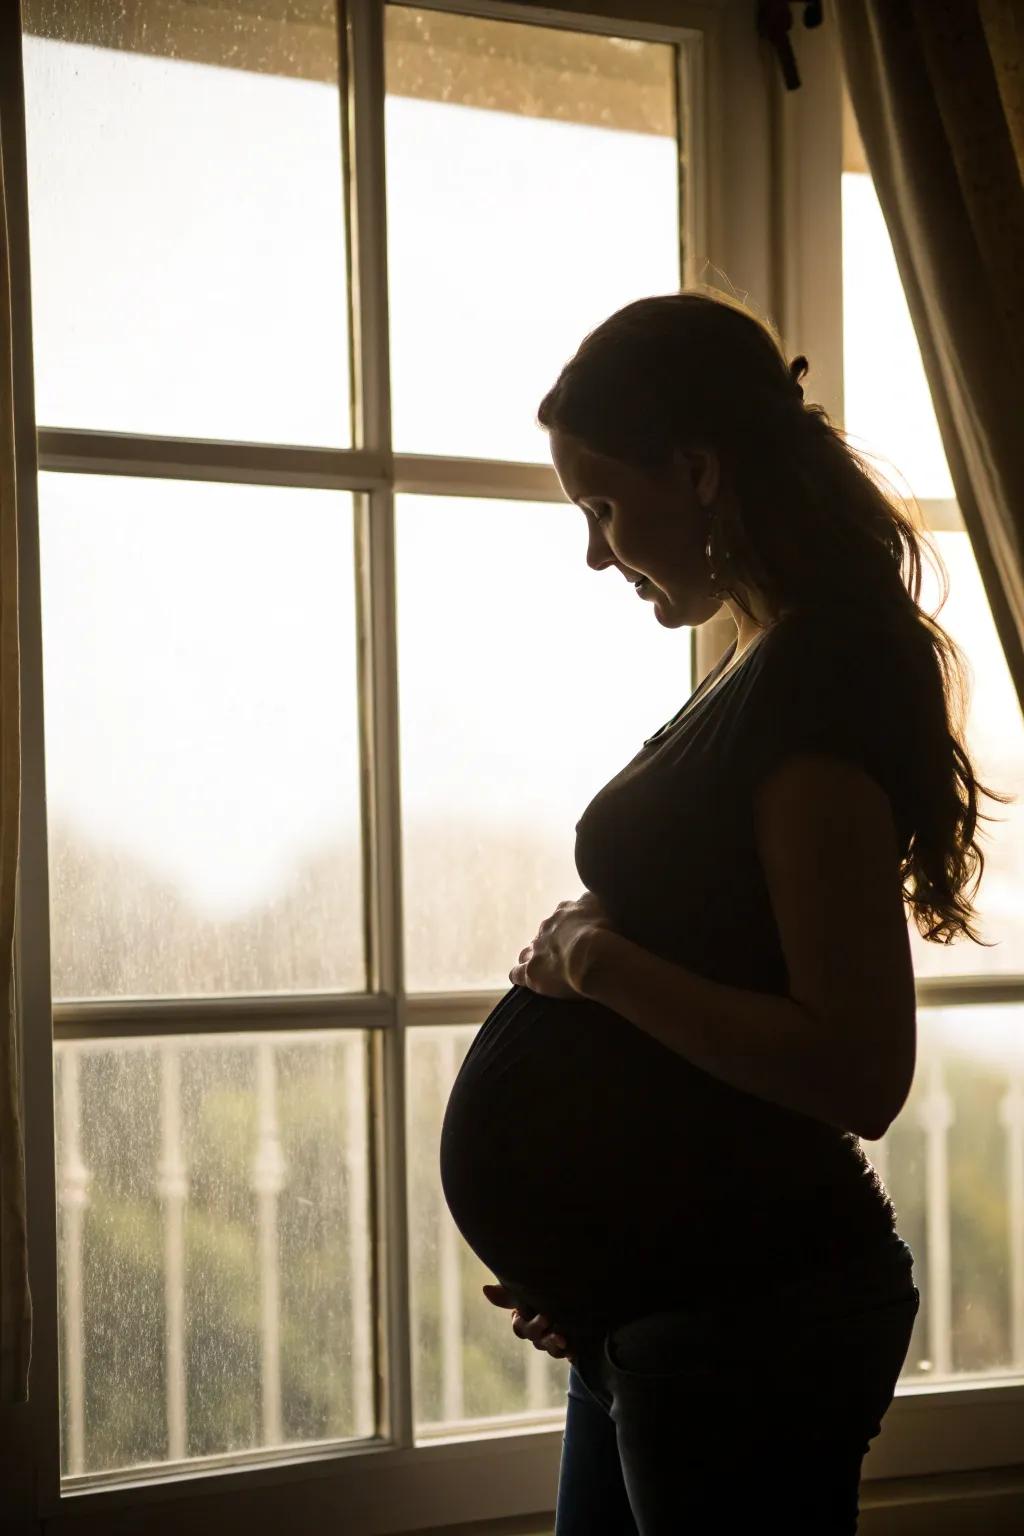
<point x="199" y="650"/>
<point x="888" y="405"/>
<point x="995" y="736"/>
<point x="952" y="1163"/>
<point x="191" y="160"/>
<point x="532" y="190"/>
<point x="214" y="1245"/>
<point x="526" y="683"/>
<point x="467" y="1363"/>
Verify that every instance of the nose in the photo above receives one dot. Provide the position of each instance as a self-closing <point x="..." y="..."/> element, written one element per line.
<point x="602" y="562"/>
<point x="598" y="555"/>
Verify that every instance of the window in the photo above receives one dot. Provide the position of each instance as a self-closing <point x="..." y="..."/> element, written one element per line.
<point x="954" y="1160"/>
<point x="301" y="562"/>
<point x="506" y="147"/>
<point x="208" y="297"/>
<point x="257" y="624"/>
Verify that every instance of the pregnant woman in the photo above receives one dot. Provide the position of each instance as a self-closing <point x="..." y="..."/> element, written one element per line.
<point x="653" y="1142"/>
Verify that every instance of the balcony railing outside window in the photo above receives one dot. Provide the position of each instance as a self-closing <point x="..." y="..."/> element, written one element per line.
<point x="177" y="1271"/>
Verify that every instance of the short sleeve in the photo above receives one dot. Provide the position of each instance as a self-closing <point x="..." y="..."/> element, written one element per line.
<point x="824" y="685"/>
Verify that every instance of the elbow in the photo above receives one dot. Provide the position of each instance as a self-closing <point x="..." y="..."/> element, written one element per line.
<point x="877" y="1083"/>
<point x="872" y="1127"/>
<point x="876" y="1114"/>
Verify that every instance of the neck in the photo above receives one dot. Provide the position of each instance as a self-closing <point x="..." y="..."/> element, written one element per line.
<point x="747" y="628"/>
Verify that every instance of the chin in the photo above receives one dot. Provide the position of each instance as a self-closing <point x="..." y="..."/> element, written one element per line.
<point x="681" y="613"/>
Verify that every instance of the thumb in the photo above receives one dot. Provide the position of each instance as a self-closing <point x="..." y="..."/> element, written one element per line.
<point x="498" y="1295"/>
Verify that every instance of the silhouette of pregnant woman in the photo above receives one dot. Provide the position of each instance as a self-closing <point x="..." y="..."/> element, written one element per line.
<point x="654" y="1140"/>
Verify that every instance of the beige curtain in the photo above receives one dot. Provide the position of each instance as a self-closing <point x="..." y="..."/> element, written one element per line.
<point x="15" y="1302"/>
<point x="938" y="90"/>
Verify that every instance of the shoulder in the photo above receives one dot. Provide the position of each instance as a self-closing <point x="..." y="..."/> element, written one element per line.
<point x="848" y="685"/>
<point x="850" y="646"/>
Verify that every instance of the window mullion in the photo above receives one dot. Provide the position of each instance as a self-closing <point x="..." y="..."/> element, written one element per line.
<point x="957" y="991"/>
<point x="690" y="98"/>
<point x="378" y="693"/>
<point x="144" y="1017"/>
<point x="367" y="223"/>
<point x="430" y="475"/>
<point x="81" y="451"/>
<point x="941" y="515"/>
<point x="305" y="1013"/>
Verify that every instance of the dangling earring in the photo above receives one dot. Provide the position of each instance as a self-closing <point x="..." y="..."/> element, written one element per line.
<point x="715" y="589"/>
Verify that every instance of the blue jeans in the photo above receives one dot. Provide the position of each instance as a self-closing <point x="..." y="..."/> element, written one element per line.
<point x="737" y="1421"/>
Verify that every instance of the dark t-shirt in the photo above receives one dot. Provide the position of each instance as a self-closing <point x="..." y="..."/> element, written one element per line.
<point x="597" y="1172"/>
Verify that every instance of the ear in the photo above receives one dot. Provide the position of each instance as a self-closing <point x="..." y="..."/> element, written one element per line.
<point x="701" y="472"/>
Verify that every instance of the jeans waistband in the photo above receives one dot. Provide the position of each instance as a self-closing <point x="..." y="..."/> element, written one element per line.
<point x="881" y="1273"/>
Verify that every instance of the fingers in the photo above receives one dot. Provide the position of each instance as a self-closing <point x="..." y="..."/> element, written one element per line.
<point x="526" y="1327"/>
<point x="535" y="1329"/>
<point x="540" y="1332"/>
<point x="556" y="1346"/>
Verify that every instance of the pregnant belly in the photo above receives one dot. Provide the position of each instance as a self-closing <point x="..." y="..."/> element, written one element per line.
<point x="573" y="1147"/>
<point x="585" y="1163"/>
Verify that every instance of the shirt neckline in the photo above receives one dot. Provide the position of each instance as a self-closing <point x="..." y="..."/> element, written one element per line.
<point x="718" y="673"/>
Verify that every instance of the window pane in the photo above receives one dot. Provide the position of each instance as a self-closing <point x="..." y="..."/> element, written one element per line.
<point x="954" y="1165"/>
<point x="199" y="648"/>
<point x="889" y="412"/>
<point x="526" y="684"/>
<point x="214" y="1246"/>
<point x="507" y="145"/>
<point x="191" y="160"/>
<point x="995" y="734"/>
<point x="888" y="405"/>
<point x="467" y="1363"/>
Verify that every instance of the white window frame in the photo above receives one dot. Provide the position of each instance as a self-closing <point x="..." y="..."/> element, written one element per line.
<point x="751" y="183"/>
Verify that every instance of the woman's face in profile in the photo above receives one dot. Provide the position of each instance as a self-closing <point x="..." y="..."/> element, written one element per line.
<point x="646" y="525"/>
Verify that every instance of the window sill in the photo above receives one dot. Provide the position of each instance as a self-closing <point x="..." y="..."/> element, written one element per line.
<point x="931" y="1437"/>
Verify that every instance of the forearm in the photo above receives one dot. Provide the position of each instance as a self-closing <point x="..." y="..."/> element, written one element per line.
<point x="761" y="1043"/>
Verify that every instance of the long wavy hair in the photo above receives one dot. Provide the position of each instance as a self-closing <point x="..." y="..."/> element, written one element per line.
<point x="817" y="527"/>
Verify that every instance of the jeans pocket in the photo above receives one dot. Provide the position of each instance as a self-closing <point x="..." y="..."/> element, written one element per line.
<point x="659" y="1345"/>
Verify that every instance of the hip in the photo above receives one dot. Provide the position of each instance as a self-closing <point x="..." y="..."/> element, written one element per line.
<point x="829" y="1343"/>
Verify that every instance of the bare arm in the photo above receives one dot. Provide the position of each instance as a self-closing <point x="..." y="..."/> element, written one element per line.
<point x="841" y="1045"/>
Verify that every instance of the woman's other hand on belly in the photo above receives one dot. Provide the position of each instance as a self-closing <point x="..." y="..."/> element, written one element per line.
<point x="537" y="1329"/>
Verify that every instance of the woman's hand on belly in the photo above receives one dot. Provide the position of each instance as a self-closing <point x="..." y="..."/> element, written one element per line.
<point x="551" y="963"/>
<point x="538" y="1330"/>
